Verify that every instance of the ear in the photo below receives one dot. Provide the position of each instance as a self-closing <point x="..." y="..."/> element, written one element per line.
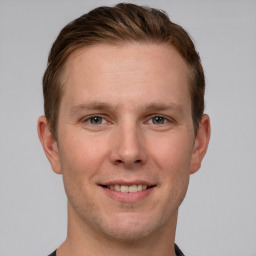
<point x="49" y="144"/>
<point x="201" y="143"/>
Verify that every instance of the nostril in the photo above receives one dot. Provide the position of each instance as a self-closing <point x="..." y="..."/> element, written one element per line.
<point x="120" y="161"/>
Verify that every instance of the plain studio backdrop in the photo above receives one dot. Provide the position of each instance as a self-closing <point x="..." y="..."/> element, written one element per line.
<point x="218" y="215"/>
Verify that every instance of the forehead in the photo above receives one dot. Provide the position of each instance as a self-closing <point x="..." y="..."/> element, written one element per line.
<point x="105" y="71"/>
<point x="126" y="57"/>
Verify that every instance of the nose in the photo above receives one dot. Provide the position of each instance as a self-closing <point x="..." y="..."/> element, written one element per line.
<point x="128" y="146"/>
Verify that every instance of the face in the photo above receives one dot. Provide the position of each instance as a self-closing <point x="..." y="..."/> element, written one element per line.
<point x="126" y="144"/>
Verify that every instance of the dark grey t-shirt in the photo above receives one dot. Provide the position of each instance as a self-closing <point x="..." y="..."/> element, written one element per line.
<point x="177" y="251"/>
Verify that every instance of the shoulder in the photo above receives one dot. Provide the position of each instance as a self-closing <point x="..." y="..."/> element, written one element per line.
<point x="178" y="251"/>
<point x="53" y="254"/>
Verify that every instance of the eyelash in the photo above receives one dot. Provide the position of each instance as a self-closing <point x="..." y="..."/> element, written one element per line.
<point x="166" y="120"/>
<point x="89" y="118"/>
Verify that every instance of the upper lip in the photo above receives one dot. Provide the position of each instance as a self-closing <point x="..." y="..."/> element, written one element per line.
<point x="127" y="183"/>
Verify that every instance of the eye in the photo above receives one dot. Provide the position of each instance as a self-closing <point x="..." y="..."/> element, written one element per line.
<point x="158" y="120"/>
<point x="96" y="120"/>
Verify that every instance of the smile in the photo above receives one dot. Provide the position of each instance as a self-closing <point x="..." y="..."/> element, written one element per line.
<point x="128" y="192"/>
<point x="128" y="189"/>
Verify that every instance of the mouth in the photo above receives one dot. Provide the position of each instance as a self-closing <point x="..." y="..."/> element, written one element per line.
<point x="128" y="191"/>
<point x="128" y="188"/>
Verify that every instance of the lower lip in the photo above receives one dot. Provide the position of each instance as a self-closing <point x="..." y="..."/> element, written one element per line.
<point x="128" y="197"/>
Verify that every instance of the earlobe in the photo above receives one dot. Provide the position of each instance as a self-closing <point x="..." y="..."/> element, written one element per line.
<point x="49" y="144"/>
<point x="201" y="144"/>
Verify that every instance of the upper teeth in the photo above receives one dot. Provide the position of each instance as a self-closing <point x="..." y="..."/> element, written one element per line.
<point x="128" y="189"/>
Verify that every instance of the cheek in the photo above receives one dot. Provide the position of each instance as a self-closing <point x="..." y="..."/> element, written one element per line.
<point x="82" y="154"/>
<point x="172" y="153"/>
<point x="80" y="161"/>
<point x="173" y="157"/>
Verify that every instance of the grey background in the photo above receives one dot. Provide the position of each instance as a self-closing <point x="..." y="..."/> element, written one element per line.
<point x="218" y="216"/>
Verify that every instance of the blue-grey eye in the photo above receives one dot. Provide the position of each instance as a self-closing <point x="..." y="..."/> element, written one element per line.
<point x="96" y="120"/>
<point x="158" y="120"/>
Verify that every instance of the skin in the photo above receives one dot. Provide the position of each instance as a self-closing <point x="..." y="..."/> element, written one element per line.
<point x="139" y="94"/>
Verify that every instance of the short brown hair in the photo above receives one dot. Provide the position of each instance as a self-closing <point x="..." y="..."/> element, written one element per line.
<point x="119" y="24"/>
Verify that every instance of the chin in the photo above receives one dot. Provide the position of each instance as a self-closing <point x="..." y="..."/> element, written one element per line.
<point x="132" y="234"/>
<point x="130" y="229"/>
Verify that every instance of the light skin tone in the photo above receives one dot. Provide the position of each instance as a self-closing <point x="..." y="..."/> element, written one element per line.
<point x="124" y="119"/>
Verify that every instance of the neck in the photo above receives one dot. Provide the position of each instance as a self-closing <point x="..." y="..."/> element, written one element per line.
<point x="82" y="240"/>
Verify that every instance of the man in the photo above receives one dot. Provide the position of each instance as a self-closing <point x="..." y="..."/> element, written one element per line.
<point x="124" y="125"/>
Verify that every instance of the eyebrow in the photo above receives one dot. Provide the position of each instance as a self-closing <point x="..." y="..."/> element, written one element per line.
<point x="91" y="106"/>
<point x="163" y="106"/>
<point x="109" y="107"/>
